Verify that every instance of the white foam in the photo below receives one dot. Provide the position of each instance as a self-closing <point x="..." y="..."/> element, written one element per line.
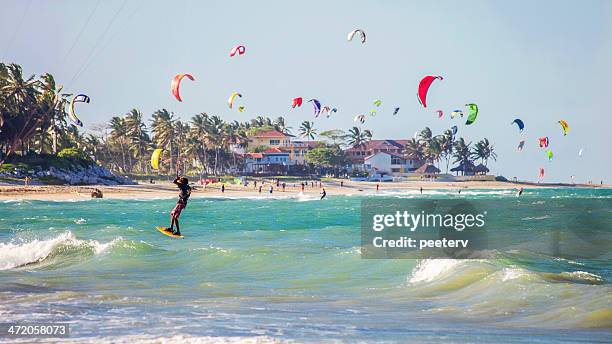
<point x="17" y="254"/>
<point x="512" y="273"/>
<point x="429" y="269"/>
<point x="186" y="339"/>
<point x="80" y="221"/>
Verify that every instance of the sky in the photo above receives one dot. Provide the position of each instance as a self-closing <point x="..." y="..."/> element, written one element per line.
<point x="540" y="61"/>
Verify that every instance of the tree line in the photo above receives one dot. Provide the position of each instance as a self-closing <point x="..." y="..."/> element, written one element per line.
<point x="33" y="120"/>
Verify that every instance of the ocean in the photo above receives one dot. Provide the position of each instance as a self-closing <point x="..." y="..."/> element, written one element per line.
<point x="289" y="269"/>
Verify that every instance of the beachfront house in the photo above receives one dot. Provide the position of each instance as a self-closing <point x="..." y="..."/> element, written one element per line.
<point x="391" y="163"/>
<point x="274" y="152"/>
<point x="381" y="156"/>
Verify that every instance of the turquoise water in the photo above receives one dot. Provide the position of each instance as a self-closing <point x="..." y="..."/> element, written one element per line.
<point x="286" y="268"/>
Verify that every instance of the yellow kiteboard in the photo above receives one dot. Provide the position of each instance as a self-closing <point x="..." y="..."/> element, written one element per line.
<point x="168" y="232"/>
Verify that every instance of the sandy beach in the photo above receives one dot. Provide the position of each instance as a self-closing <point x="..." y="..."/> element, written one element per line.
<point x="168" y="190"/>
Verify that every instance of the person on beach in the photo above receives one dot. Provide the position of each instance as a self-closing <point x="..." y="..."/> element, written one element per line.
<point x="185" y="192"/>
<point x="341" y="183"/>
<point x="302" y="187"/>
<point x="222" y="188"/>
<point x="271" y="189"/>
<point x="421" y="189"/>
<point x="284" y="185"/>
<point x="377" y="187"/>
<point x="323" y="193"/>
<point x="259" y="188"/>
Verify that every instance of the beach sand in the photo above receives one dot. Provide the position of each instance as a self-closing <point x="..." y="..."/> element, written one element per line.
<point x="169" y="190"/>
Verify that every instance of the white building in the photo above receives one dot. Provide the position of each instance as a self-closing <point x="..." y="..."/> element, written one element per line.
<point x="388" y="163"/>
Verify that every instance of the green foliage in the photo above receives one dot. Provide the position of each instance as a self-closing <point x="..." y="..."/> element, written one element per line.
<point x="72" y="153"/>
<point x="257" y="149"/>
<point x="327" y="156"/>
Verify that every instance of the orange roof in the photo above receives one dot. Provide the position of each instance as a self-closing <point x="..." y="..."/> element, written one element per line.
<point x="253" y="155"/>
<point x="270" y="133"/>
<point x="273" y="150"/>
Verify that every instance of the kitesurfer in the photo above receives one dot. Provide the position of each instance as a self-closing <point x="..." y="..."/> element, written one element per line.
<point x="185" y="192"/>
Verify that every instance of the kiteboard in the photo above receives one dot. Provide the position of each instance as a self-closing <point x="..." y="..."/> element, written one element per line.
<point x="168" y="232"/>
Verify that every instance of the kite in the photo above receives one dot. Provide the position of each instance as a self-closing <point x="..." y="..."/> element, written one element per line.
<point x="473" y="113"/>
<point x="331" y="111"/>
<point x="155" y="158"/>
<point x="396" y="111"/>
<point x="549" y="154"/>
<point x="230" y="100"/>
<point x="440" y="113"/>
<point x="241" y="109"/>
<point x="377" y="102"/>
<point x="521" y="145"/>
<point x="541" y="176"/>
<point x="360" y="118"/>
<point x="580" y="151"/>
<point x="240" y="49"/>
<point x="79" y="98"/>
<point x="296" y="102"/>
<point x="456" y="113"/>
<point x="424" y="87"/>
<point x="361" y="34"/>
<point x="373" y="112"/>
<point x="176" y="84"/>
<point x="454" y="129"/>
<point x="544" y="142"/>
<point x="519" y="123"/>
<point x="316" y="106"/>
<point x="564" y="126"/>
<point x="325" y="110"/>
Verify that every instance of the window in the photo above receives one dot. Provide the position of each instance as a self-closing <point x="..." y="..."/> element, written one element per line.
<point x="396" y="170"/>
<point x="274" y="142"/>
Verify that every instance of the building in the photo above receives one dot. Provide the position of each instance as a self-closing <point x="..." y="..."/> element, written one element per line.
<point x="279" y="152"/>
<point x="270" y="161"/>
<point x="384" y="162"/>
<point x="270" y="138"/>
<point x="358" y="154"/>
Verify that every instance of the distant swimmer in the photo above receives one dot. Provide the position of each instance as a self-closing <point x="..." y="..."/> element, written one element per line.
<point x="459" y="191"/>
<point x="520" y="192"/>
<point x="323" y="193"/>
<point x="185" y="192"/>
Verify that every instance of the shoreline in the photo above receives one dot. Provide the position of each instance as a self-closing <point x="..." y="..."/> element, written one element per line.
<point x="169" y="190"/>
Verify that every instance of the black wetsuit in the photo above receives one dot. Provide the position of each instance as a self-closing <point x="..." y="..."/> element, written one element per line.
<point x="185" y="192"/>
<point x="323" y="194"/>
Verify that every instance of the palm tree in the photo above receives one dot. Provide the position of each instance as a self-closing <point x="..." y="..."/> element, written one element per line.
<point x="280" y="125"/>
<point x="414" y="150"/>
<point x="164" y="131"/>
<point x="138" y="139"/>
<point x="307" y="130"/>
<point x="357" y="138"/>
<point x="462" y="154"/>
<point x="118" y="136"/>
<point x="446" y="145"/>
<point x="433" y="150"/>
<point x="484" y="151"/>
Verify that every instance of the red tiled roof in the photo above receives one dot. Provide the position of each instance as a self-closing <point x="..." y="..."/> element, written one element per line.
<point x="381" y="144"/>
<point x="270" y="133"/>
<point x="253" y="155"/>
<point x="273" y="150"/>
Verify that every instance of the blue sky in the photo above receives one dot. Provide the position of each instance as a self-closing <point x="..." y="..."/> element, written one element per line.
<point x="540" y="61"/>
